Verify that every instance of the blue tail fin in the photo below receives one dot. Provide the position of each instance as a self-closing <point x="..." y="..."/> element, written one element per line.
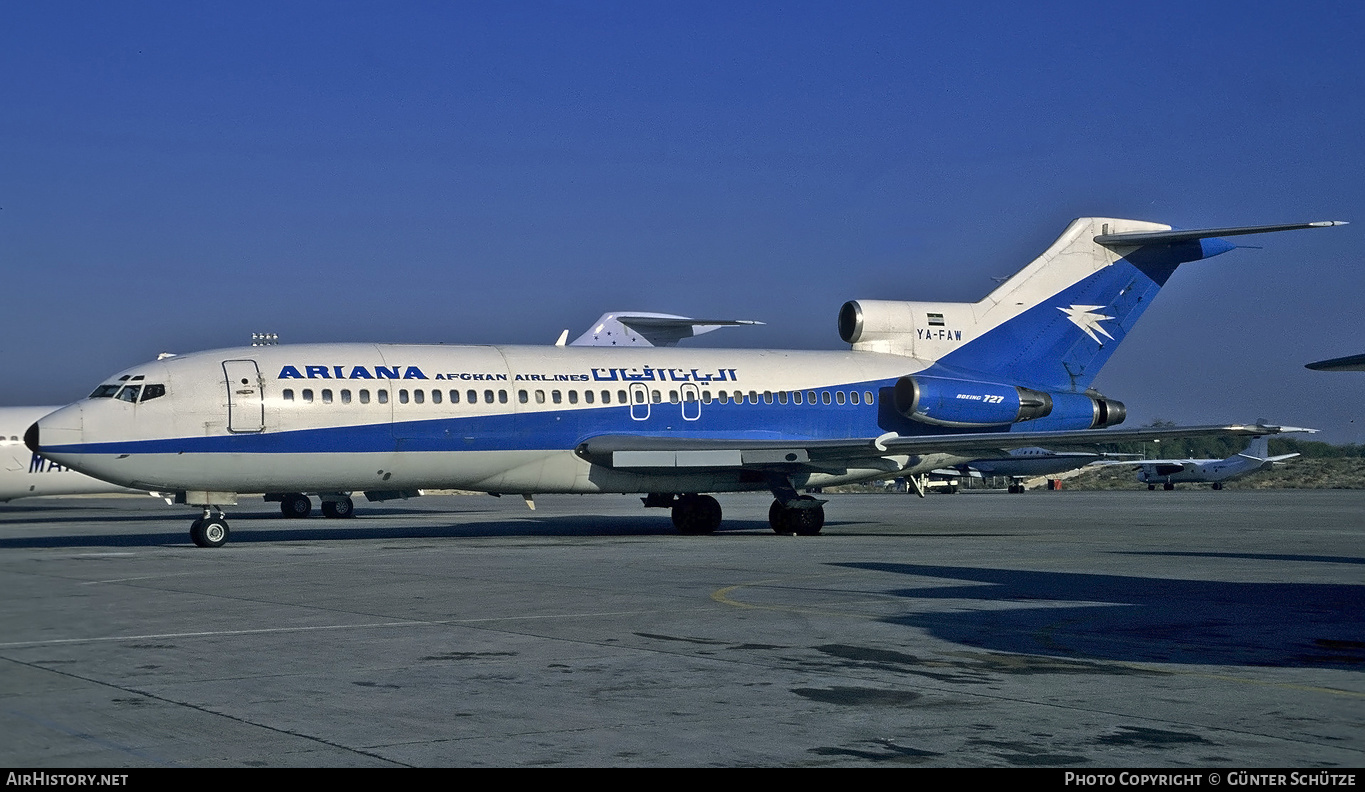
<point x="1053" y="324"/>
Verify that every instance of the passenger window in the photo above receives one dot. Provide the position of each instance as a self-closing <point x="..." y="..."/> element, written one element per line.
<point x="656" y="397"/>
<point x="573" y="397"/>
<point x="523" y="396"/>
<point x="288" y="394"/>
<point x="853" y="397"/>
<point x="723" y="397"/>
<point x="587" y="396"/>
<point x="824" y="397"/>
<point x="606" y="397"/>
<point x="810" y="397"/>
<point x="403" y="396"/>
<point x="383" y="396"/>
<point x="673" y="397"/>
<point x="419" y="396"/>
<point x="435" y="397"/>
<point x="364" y="397"/>
<point x="781" y="397"/>
<point x="488" y="397"/>
<point x="345" y="397"/>
<point x="753" y="397"/>
<point x="621" y="397"/>
<point x="308" y="395"/>
<point x="326" y="395"/>
<point x="471" y="396"/>
<point x="796" y="397"/>
<point x="502" y="397"/>
<point x="540" y="397"/>
<point x="739" y="397"/>
<point x="767" y="397"/>
<point x="689" y="396"/>
<point x="867" y="397"/>
<point x="556" y="397"/>
<point x="706" y="397"/>
<point x="839" y="396"/>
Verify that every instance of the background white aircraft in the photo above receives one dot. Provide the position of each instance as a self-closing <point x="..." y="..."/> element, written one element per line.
<point x="1169" y="472"/>
<point x="925" y="385"/>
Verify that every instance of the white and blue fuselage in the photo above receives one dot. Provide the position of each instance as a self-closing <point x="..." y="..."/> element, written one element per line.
<point x="497" y="419"/>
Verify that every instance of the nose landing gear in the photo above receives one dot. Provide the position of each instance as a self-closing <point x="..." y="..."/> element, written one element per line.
<point x="211" y="530"/>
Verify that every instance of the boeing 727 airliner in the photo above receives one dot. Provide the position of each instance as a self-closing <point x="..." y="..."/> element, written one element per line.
<point x="926" y="385"/>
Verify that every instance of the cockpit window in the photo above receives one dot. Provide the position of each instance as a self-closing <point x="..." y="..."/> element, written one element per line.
<point x="105" y="391"/>
<point x="129" y="393"/>
<point x="152" y="391"/>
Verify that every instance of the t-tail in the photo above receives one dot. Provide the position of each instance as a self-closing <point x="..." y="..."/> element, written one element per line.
<point x="1055" y="323"/>
<point x="1045" y="332"/>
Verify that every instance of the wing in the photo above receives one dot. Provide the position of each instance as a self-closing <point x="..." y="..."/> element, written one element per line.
<point x="660" y="453"/>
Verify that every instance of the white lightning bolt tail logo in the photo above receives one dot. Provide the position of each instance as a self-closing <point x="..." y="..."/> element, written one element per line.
<point x="1084" y="317"/>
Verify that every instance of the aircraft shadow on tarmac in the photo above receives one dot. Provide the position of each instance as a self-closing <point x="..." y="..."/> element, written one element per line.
<point x="253" y="529"/>
<point x="1141" y="619"/>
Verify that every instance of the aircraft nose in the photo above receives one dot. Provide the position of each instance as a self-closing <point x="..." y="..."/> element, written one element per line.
<point x="60" y="428"/>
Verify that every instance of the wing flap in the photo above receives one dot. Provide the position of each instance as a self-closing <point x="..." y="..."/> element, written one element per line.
<point x="659" y="453"/>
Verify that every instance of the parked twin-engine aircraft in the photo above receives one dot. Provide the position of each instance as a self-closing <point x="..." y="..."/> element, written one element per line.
<point x="1169" y="472"/>
<point x="925" y="385"/>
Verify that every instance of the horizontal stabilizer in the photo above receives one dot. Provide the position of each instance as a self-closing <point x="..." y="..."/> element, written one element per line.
<point x="1348" y="363"/>
<point x="1172" y="237"/>
<point x="649" y="329"/>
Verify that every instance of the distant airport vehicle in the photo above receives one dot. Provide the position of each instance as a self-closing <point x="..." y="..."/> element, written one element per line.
<point x="1348" y="363"/>
<point x="1169" y="472"/>
<point x="24" y="474"/>
<point x="925" y="385"/>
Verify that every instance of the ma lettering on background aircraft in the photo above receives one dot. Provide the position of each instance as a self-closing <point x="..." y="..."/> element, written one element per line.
<point x="924" y="386"/>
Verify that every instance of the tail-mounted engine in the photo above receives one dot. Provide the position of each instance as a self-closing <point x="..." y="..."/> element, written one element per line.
<point x="965" y="404"/>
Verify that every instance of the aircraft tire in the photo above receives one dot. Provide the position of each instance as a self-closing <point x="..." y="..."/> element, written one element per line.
<point x="1168" y="486"/>
<point x="802" y="522"/>
<point x="1151" y="487"/>
<point x="339" y="509"/>
<point x="1217" y="485"/>
<point x="777" y="518"/>
<point x="694" y="515"/>
<point x="295" y="505"/>
<point x="212" y="532"/>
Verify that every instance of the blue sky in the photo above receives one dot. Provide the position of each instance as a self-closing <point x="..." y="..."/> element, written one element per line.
<point x="176" y="176"/>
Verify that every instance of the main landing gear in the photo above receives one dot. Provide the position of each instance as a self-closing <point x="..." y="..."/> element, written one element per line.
<point x="696" y="514"/>
<point x="790" y="513"/>
<point x="803" y="516"/>
<point x="296" y="505"/>
<point x="211" y="530"/>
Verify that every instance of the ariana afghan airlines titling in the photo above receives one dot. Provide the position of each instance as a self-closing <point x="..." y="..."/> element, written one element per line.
<point x="924" y="386"/>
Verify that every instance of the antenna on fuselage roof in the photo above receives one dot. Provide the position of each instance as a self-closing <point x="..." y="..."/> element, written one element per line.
<point x="265" y="339"/>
